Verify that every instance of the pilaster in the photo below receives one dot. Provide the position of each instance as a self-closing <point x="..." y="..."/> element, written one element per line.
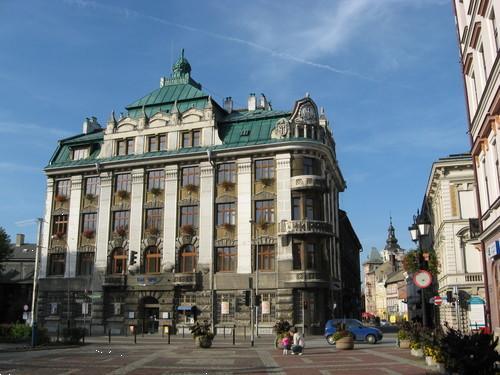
<point x="206" y="226"/>
<point x="170" y="216"/>
<point x="244" y="215"/>
<point x="106" y="184"/>
<point x="135" y="220"/>
<point x="283" y="199"/>
<point x="49" y="199"/>
<point x="73" y="224"/>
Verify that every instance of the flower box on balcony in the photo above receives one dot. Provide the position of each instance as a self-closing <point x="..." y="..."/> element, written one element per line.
<point x="89" y="233"/>
<point x="191" y="188"/>
<point x="121" y="231"/>
<point x="152" y="231"/>
<point x="227" y="185"/>
<point x="156" y="191"/>
<point x="60" y="198"/>
<point x="187" y="229"/>
<point x="123" y="194"/>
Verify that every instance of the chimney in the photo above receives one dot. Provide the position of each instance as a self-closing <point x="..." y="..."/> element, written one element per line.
<point x="162" y="81"/>
<point x="228" y="104"/>
<point x="263" y="102"/>
<point x="19" y="239"/>
<point x="90" y="125"/>
<point x="252" y="102"/>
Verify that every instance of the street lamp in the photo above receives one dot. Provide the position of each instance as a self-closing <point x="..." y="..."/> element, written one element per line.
<point x="35" y="283"/>
<point x="418" y="230"/>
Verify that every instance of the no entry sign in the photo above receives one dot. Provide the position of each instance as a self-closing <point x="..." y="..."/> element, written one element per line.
<point x="438" y="300"/>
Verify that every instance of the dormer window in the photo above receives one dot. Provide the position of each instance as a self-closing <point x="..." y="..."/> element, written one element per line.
<point x="80" y="153"/>
<point x="191" y="138"/>
<point x="125" y="147"/>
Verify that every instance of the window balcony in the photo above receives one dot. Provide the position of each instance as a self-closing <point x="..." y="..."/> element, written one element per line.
<point x="186" y="279"/>
<point x="308" y="182"/>
<point x="115" y="280"/>
<point x="305" y="226"/>
<point x="307" y="278"/>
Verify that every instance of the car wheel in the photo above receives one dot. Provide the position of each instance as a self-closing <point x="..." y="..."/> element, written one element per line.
<point x="371" y="339"/>
<point x="330" y="340"/>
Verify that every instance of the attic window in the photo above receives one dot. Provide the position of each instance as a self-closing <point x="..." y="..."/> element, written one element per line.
<point x="80" y="153"/>
<point x="245" y="132"/>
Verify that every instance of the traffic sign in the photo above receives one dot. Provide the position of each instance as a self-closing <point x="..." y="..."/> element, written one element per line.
<point x="422" y="279"/>
<point x="26" y="307"/>
<point x="438" y="300"/>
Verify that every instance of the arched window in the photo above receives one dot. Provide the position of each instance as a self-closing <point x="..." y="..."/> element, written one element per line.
<point x="119" y="261"/>
<point x="152" y="258"/>
<point x="187" y="259"/>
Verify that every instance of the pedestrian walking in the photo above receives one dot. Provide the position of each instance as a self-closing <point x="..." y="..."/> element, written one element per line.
<point x="298" y="342"/>
<point x="286" y="342"/>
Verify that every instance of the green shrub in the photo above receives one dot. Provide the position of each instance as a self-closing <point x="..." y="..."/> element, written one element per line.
<point x="20" y="331"/>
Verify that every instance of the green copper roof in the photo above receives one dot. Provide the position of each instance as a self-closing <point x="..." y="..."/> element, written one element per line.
<point x="169" y="94"/>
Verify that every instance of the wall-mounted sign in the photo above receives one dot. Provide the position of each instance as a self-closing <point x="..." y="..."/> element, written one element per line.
<point x="224" y="307"/>
<point x="493" y="250"/>
<point x="165" y="315"/>
<point x="131" y="314"/>
<point x="266" y="307"/>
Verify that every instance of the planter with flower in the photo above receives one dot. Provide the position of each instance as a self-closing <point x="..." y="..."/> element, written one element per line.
<point x="60" y="198"/>
<point x="121" y="232"/>
<point x="88" y="233"/>
<point x="152" y="231"/>
<point x="187" y="230"/>
<point x="191" y="188"/>
<point x="202" y="335"/>
<point x="344" y="339"/>
<point x="281" y="328"/>
<point x="123" y="194"/>
<point x="227" y="185"/>
<point x="403" y="339"/>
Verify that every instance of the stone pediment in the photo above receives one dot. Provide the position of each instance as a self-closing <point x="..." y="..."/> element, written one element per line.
<point x="305" y="111"/>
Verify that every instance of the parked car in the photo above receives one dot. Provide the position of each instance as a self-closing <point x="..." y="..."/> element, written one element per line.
<point x="359" y="331"/>
<point x="384" y="322"/>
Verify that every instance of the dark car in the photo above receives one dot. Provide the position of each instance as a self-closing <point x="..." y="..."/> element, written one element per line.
<point x="359" y="331"/>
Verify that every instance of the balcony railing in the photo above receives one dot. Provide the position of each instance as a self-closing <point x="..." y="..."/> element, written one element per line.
<point x="186" y="279"/>
<point x="307" y="277"/>
<point x="307" y="182"/>
<point x="473" y="277"/>
<point x="115" y="280"/>
<point x="304" y="227"/>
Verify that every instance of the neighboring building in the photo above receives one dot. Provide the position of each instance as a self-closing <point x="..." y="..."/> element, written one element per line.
<point x="157" y="218"/>
<point x="350" y="247"/>
<point x="479" y="39"/>
<point x="16" y="281"/>
<point x="397" y="297"/>
<point x="450" y="205"/>
<point x="369" y="266"/>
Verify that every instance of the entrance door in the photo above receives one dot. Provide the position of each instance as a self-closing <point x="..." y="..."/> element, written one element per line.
<point x="150" y="315"/>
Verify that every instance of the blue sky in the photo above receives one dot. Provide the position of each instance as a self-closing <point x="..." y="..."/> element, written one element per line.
<point x="386" y="71"/>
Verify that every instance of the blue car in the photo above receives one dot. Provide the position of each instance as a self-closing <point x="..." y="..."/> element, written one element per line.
<point x="360" y="332"/>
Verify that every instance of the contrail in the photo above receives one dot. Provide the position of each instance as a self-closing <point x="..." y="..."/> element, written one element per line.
<point x="283" y="55"/>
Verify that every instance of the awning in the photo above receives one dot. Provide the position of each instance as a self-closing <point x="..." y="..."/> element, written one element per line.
<point x="185" y="308"/>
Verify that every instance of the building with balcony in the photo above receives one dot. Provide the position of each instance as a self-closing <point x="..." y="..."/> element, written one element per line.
<point x="479" y="43"/>
<point x="172" y="211"/>
<point x="451" y="207"/>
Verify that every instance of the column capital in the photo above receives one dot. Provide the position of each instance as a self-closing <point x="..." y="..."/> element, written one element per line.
<point x="138" y="176"/>
<point x="106" y="178"/>
<point x="244" y="165"/>
<point x="171" y="172"/>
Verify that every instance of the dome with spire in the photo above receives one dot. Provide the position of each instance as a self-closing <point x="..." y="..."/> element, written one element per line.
<point x="391" y="244"/>
<point x="181" y="67"/>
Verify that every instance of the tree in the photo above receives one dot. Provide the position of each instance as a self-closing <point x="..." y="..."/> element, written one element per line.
<point x="5" y="249"/>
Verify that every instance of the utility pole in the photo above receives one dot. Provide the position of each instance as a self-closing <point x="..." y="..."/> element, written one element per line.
<point x="35" y="283"/>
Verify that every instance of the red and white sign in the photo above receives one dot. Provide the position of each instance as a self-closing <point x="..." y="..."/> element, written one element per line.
<point x="438" y="300"/>
<point x="422" y="279"/>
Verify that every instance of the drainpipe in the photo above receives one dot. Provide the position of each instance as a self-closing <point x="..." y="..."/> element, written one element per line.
<point x="212" y="263"/>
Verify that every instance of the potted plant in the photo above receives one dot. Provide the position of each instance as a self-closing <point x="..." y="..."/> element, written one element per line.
<point x="267" y="181"/>
<point x="228" y="226"/>
<point x="403" y="339"/>
<point x="59" y="235"/>
<point x="90" y="197"/>
<point x="60" y="198"/>
<point x="121" y="231"/>
<point x="344" y="339"/>
<point x="281" y="328"/>
<point x="123" y="194"/>
<point x="227" y="185"/>
<point x="416" y="349"/>
<point x="153" y="231"/>
<point x="156" y="191"/>
<point x="191" y="188"/>
<point x="187" y="229"/>
<point x="201" y="334"/>
<point x="263" y="224"/>
<point x="88" y="233"/>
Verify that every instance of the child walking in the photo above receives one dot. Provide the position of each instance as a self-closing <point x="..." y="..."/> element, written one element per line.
<point x="286" y="343"/>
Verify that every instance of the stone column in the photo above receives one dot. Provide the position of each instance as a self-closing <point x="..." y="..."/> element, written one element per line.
<point x="49" y="199"/>
<point x="106" y="184"/>
<point x="283" y="199"/>
<point x="73" y="224"/>
<point x="136" y="209"/>
<point x="244" y="215"/>
<point x="170" y="216"/>
<point x="206" y="219"/>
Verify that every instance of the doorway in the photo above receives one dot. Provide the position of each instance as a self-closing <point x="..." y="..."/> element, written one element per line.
<point x="150" y="314"/>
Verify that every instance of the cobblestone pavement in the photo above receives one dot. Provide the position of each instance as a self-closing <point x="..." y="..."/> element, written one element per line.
<point x="152" y="355"/>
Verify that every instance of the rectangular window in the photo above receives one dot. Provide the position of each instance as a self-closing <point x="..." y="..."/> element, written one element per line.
<point x="92" y="186"/>
<point x="191" y="138"/>
<point x="80" y="153"/>
<point x="296" y="211"/>
<point x="156" y="180"/>
<point x="308" y="166"/>
<point x="154" y="218"/>
<point x="266" y="257"/>
<point x="226" y="172"/>
<point x="310" y="255"/>
<point x="483" y="63"/>
<point x="226" y="259"/>
<point x="297" y="256"/>
<point x="264" y="169"/>
<point x="190" y="176"/>
<point x="63" y="188"/>
<point x="189" y="216"/>
<point x="123" y="182"/>
<point x="60" y="225"/>
<point x="226" y="213"/>
<point x="120" y="220"/>
<point x="85" y="263"/>
<point x="57" y="264"/>
<point x="89" y="222"/>
<point x="157" y="143"/>
<point x="125" y="147"/>
<point x="264" y="211"/>
<point x="309" y="208"/>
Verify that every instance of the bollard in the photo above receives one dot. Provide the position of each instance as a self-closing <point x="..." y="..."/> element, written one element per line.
<point x="234" y="335"/>
<point x="183" y="331"/>
<point x="168" y="335"/>
<point x="224" y="331"/>
<point x="135" y="335"/>
<point x="109" y="336"/>
<point x="57" y="332"/>
<point x="90" y="328"/>
<point x="83" y="337"/>
<point x="245" y="333"/>
<point x="162" y="331"/>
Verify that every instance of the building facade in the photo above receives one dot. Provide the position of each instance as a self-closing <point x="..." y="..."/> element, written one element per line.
<point x="177" y="208"/>
<point x="479" y="43"/>
<point x="451" y="207"/>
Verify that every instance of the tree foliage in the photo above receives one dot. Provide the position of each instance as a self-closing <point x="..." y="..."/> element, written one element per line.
<point x="5" y="249"/>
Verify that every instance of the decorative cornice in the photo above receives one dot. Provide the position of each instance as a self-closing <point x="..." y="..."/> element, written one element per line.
<point x="138" y="176"/>
<point x="207" y="171"/>
<point x="106" y="179"/>
<point x="171" y="173"/>
<point x="244" y="166"/>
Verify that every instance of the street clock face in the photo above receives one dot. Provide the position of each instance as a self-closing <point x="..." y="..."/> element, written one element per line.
<point x="422" y="279"/>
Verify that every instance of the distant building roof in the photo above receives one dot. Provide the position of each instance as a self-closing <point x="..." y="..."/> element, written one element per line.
<point x="374" y="257"/>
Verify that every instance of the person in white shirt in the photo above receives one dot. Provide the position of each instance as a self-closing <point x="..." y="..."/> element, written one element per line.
<point x="298" y="342"/>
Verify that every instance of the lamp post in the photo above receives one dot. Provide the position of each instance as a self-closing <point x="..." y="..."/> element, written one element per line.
<point x="35" y="283"/>
<point x="418" y="230"/>
<point x="254" y="306"/>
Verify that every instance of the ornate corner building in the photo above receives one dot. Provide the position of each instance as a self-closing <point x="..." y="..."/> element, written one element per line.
<point x="178" y="207"/>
